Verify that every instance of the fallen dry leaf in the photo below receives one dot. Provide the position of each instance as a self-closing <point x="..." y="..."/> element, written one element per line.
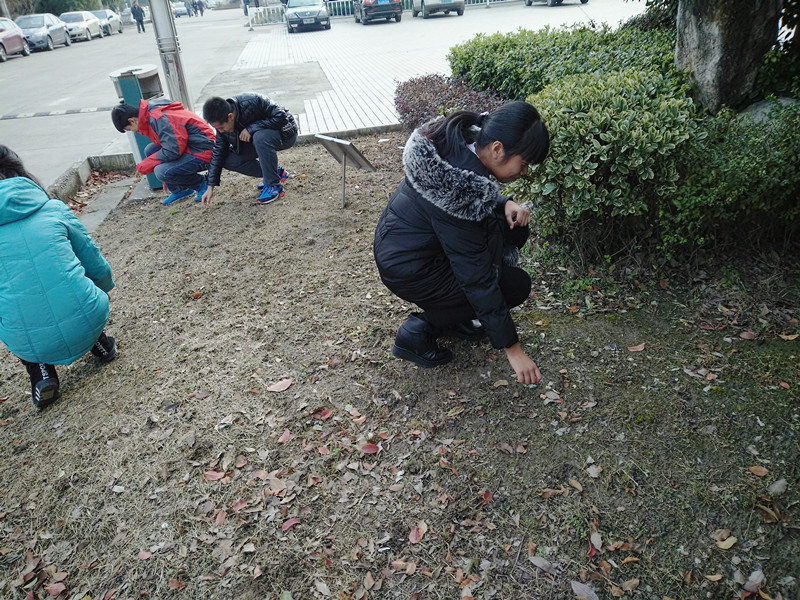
<point x="583" y="591"/>
<point x="630" y="585"/>
<point x="727" y="543"/>
<point x="289" y="523"/>
<point x="715" y="577"/>
<point x="174" y="584"/>
<point x="576" y="484"/>
<point x="285" y="436"/>
<point x="370" y="448"/>
<point x="144" y="555"/>
<point x="784" y="385"/>
<point x="280" y="386"/>
<point x="747" y="335"/>
<point x="418" y="532"/>
<point x="638" y="348"/>
<point x="55" y="589"/>
<point x="758" y="470"/>
<point x="506" y="448"/>
<point x="789" y="337"/>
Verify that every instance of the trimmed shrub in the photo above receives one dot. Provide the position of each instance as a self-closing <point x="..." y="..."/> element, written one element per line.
<point x="523" y="63"/>
<point x="421" y="99"/>
<point x="616" y="143"/>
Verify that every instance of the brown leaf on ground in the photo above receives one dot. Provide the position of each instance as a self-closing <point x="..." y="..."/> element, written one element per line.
<point x="638" y="348"/>
<point x="280" y="386"/>
<point x="418" y="532"/>
<point x="758" y="470"/>
<point x="289" y="523"/>
<point x="285" y="436"/>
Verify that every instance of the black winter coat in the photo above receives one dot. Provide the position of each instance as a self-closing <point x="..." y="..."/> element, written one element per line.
<point x="441" y="236"/>
<point x="253" y="112"/>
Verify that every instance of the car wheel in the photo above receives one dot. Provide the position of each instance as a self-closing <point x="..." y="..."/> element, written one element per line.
<point x="289" y="28"/>
<point x="584" y="1"/>
<point x="364" y="19"/>
<point x="67" y="40"/>
<point x="3" y="55"/>
<point x="460" y="12"/>
<point x="397" y="17"/>
<point x="447" y="12"/>
<point x="414" y="11"/>
<point x="88" y="35"/>
<point x="120" y="28"/>
<point x="26" y="49"/>
<point x="328" y="26"/>
<point x="49" y="45"/>
<point x="425" y="12"/>
<point x="356" y="18"/>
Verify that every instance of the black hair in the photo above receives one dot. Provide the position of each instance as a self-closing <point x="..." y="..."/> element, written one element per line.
<point x="216" y="110"/>
<point x="516" y="125"/>
<point x="121" y="113"/>
<point x="11" y="165"/>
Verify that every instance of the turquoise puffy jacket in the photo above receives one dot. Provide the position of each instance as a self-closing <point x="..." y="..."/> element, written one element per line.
<point x="53" y="279"/>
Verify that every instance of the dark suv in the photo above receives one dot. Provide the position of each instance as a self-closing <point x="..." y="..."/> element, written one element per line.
<point x="367" y="10"/>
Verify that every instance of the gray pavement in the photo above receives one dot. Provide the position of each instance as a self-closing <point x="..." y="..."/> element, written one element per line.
<point x="339" y="82"/>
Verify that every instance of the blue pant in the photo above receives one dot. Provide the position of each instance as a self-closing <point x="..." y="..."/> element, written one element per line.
<point x="179" y="174"/>
<point x="259" y="156"/>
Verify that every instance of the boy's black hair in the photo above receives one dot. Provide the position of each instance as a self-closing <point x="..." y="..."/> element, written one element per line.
<point x="120" y="115"/>
<point x="216" y="110"/>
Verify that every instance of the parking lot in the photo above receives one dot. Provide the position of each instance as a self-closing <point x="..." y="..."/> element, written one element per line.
<point x="54" y="108"/>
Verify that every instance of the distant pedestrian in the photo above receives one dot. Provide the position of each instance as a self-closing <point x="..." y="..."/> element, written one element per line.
<point x="256" y="3"/>
<point x="250" y="132"/>
<point x="138" y="15"/>
<point x="188" y="6"/>
<point x="55" y="283"/>
<point x="182" y="144"/>
<point x="246" y="5"/>
<point x="194" y="7"/>
<point x="201" y="6"/>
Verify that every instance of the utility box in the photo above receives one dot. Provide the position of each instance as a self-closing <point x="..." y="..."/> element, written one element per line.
<point x="133" y="84"/>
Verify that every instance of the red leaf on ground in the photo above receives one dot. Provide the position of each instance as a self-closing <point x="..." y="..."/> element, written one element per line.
<point x="213" y="475"/>
<point x="55" y="589"/>
<point x="417" y="532"/>
<point x="784" y="385"/>
<point x="285" y="437"/>
<point x="487" y="497"/>
<point x="144" y="555"/>
<point x="370" y="449"/>
<point x="280" y="386"/>
<point x="323" y="414"/>
<point x="110" y="594"/>
<point x="638" y="348"/>
<point x="288" y="524"/>
<point x="323" y="450"/>
<point x="174" y="584"/>
<point x="238" y="505"/>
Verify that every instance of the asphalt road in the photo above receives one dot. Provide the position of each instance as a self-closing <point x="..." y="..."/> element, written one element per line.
<point x="220" y="55"/>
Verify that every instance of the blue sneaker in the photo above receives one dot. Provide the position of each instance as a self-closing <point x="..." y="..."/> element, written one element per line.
<point x="269" y="194"/>
<point x="201" y="191"/>
<point x="175" y="196"/>
<point x="283" y="175"/>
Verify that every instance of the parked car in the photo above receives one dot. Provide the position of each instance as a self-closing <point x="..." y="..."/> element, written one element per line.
<point x="179" y="9"/>
<point x="428" y="7"/>
<point x="307" y="13"/>
<point x="109" y="21"/>
<point x="367" y="10"/>
<point x="44" y="31"/>
<point x="82" y="25"/>
<point x="550" y="2"/>
<point x="12" y="40"/>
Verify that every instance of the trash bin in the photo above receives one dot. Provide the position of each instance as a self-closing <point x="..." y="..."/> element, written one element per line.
<point x="133" y="84"/>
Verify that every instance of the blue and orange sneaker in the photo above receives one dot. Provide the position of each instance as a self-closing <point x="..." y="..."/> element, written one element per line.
<point x="283" y="175"/>
<point x="269" y="194"/>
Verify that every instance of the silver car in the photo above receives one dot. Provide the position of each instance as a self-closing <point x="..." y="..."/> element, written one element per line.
<point x="301" y="14"/>
<point x="109" y="21"/>
<point x="82" y="25"/>
<point x="44" y="31"/>
<point x="428" y="7"/>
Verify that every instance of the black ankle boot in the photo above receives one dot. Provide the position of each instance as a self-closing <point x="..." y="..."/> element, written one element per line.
<point x="465" y="331"/>
<point x="416" y="342"/>
<point x="44" y="384"/>
<point x="105" y="348"/>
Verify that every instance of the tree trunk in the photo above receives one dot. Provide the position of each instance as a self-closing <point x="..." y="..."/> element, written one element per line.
<point x="722" y="42"/>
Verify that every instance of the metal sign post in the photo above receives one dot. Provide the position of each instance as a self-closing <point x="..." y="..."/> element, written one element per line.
<point x="341" y="150"/>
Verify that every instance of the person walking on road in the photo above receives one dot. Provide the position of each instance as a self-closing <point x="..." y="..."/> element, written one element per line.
<point x="250" y="132"/>
<point x="55" y="283"/>
<point x="181" y="148"/>
<point x="138" y="15"/>
<point x="449" y="242"/>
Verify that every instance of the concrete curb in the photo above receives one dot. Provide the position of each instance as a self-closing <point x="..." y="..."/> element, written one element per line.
<point x="71" y="181"/>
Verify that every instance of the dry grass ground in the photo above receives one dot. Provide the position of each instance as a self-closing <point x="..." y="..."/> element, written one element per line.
<point x="176" y="473"/>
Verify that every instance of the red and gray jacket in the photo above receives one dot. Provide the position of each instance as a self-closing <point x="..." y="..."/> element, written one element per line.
<point x="178" y="131"/>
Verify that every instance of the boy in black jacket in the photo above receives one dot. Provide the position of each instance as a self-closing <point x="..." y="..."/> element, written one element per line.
<point x="250" y="132"/>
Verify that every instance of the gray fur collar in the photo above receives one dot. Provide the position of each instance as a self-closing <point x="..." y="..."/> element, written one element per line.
<point x="459" y="192"/>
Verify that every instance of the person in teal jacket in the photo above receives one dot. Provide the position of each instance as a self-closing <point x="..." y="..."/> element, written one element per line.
<point x="54" y="282"/>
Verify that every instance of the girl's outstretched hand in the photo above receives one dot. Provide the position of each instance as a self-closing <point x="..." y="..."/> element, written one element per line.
<point x="516" y="215"/>
<point x="526" y="370"/>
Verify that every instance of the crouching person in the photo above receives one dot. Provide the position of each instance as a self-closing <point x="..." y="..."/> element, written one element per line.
<point x="53" y="289"/>
<point x="182" y="144"/>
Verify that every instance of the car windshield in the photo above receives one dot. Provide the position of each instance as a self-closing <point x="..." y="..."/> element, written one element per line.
<point x="296" y="3"/>
<point x="100" y="14"/>
<point x="72" y="17"/>
<point x="31" y="22"/>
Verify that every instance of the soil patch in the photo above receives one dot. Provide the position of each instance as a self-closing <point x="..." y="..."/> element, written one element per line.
<point x="256" y="439"/>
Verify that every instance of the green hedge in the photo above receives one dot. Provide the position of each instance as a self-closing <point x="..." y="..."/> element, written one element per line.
<point x="523" y="63"/>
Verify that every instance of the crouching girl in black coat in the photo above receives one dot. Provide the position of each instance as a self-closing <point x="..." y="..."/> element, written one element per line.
<point x="449" y="242"/>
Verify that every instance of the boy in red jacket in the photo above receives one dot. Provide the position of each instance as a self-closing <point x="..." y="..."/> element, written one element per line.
<point x="182" y="144"/>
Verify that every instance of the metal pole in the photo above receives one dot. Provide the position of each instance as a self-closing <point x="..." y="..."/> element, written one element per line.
<point x="170" y="50"/>
<point x="4" y="9"/>
<point x="344" y="168"/>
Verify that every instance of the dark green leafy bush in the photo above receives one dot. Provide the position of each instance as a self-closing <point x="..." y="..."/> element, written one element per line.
<point x="616" y="143"/>
<point x="420" y="99"/>
<point x="522" y="63"/>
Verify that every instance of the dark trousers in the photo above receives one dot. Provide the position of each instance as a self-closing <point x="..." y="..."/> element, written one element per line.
<point x="259" y="156"/>
<point x="39" y="371"/>
<point x="139" y="26"/>
<point x="179" y="174"/>
<point x="515" y="285"/>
